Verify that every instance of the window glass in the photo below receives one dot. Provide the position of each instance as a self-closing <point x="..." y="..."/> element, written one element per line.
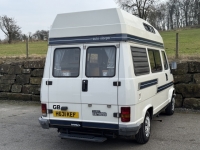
<point x="66" y="62"/>
<point x="152" y="62"/>
<point x="101" y="62"/>
<point x="149" y="28"/>
<point x="165" y="60"/>
<point x="155" y="60"/>
<point x="140" y="61"/>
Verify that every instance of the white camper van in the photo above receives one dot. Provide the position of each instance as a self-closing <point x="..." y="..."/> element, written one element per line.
<point x="106" y="75"/>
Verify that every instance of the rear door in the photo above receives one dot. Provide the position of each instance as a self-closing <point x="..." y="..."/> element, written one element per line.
<point x="99" y="85"/>
<point x="65" y="83"/>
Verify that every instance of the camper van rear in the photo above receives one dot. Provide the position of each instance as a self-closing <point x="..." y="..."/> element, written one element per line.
<point x="106" y="75"/>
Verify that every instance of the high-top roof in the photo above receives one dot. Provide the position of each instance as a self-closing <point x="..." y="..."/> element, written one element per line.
<point x="101" y="22"/>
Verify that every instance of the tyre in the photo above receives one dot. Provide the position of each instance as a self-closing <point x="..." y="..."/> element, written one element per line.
<point x="143" y="135"/>
<point x="170" y="108"/>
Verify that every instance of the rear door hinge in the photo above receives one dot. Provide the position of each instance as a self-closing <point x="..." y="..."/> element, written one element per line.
<point x="117" y="115"/>
<point x="117" y="83"/>
<point x="49" y="82"/>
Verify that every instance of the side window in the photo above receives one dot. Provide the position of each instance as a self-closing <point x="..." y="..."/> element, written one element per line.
<point x="149" y="28"/>
<point x="155" y="60"/>
<point x="140" y="61"/>
<point x="66" y="62"/>
<point x="101" y="61"/>
<point x="165" y="60"/>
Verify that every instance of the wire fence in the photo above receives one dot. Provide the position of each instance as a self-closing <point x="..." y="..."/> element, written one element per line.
<point x="24" y="49"/>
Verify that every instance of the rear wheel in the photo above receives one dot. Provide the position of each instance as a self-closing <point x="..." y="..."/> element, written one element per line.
<point x="170" y="108"/>
<point x="143" y="135"/>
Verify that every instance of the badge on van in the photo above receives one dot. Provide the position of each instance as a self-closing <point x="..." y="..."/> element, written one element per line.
<point x="98" y="113"/>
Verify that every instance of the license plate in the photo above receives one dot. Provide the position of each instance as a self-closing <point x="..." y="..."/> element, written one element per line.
<point x="65" y="114"/>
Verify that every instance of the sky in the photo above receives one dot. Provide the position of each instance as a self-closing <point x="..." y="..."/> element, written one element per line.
<point x="32" y="15"/>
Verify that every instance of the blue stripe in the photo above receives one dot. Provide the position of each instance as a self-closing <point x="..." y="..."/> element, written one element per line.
<point x="144" y="41"/>
<point x="146" y="84"/>
<point x="104" y="38"/>
<point x="161" y="88"/>
<point x="85" y="124"/>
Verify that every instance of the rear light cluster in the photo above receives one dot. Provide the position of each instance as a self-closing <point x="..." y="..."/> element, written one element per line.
<point x="44" y="110"/>
<point x="125" y="114"/>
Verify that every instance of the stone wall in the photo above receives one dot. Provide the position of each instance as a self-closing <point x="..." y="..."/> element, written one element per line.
<point x="187" y="85"/>
<point x="21" y="79"/>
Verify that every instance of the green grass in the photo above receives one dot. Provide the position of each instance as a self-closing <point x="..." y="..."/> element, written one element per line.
<point x="189" y="42"/>
<point x="19" y="49"/>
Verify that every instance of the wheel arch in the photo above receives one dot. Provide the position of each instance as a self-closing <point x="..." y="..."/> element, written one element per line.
<point x="171" y="93"/>
<point x="148" y="108"/>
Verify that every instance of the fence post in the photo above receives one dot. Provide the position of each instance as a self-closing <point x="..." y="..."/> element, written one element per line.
<point x="27" y="48"/>
<point x="177" y="45"/>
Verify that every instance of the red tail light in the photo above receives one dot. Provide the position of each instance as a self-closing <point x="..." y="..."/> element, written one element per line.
<point x="44" y="110"/>
<point x="125" y="114"/>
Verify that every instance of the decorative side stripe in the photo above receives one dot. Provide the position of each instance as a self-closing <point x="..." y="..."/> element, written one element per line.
<point x="144" y="41"/>
<point x="146" y="84"/>
<point x="104" y="38"/>
<point x="161" y="88"/>
<point x="85" y="124"/>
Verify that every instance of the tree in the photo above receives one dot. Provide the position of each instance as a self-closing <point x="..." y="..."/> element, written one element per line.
<point x="41" y="35"/>
<point x="171" y="11"/>
<point x="140" y="8"/>
<point x="185" y="5"/>
<point x="157" y="16"/>
<point x="197" y="11"/>
<point x="10" y="28"/>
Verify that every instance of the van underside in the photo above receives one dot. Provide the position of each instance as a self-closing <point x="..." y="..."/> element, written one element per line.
<point x="87" y="134"/>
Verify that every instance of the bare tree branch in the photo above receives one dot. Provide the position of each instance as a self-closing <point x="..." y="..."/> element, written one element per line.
<point x="9" y="27"/>
<point x="137" y="7"/>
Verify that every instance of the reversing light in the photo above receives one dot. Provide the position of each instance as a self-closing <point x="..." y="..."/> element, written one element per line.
<point x="125" y="114"/>
<point x="44" y="110"/>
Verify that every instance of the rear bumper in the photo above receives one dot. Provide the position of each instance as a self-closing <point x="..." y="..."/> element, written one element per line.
<point x="44" y="123"/>
<point x="123" y="130"/>
<point x="128" y="130"/>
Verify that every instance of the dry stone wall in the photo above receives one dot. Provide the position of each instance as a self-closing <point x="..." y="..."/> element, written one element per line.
<point x="187" y="85"/>
<point x="21" y="79"/>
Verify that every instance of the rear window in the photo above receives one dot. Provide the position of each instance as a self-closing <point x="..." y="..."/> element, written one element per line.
<point x="66" y="62"/>
<point x="101" y="61"/>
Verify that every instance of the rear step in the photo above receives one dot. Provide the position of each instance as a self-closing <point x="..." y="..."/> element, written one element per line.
<point x="82" y="137"/>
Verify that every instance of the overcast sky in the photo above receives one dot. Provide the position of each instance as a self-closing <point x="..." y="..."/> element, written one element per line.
<point x="32" y="15"/>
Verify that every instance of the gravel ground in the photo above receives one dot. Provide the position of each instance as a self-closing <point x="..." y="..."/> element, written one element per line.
<point x="20" y="130"/>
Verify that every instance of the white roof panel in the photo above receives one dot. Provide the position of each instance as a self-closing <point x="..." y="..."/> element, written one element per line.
<point x="100" y="22"/>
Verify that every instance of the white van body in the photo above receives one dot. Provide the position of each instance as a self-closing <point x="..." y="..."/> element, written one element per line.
<point x="98" y="63"/>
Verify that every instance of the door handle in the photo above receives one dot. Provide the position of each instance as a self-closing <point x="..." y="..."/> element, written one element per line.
<point x="85" y="85"/>
<point x="166" y="77"/>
